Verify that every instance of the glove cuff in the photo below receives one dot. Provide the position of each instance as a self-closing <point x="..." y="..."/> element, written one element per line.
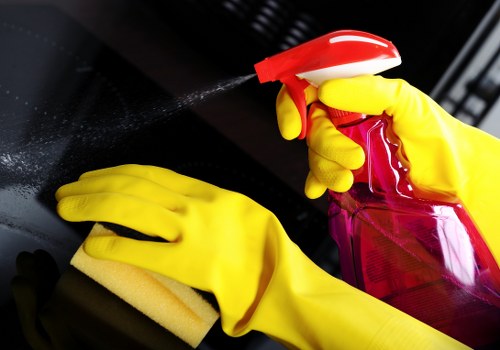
<point x="303" y="307"/>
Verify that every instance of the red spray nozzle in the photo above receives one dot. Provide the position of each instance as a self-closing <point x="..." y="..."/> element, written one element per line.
<point x="339" y="54"/>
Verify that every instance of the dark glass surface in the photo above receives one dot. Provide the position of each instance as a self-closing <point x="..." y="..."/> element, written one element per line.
<point x="69" y="104"/>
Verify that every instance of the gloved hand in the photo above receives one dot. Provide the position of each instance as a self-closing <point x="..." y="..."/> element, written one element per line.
<point x="443" y="155"/>
<point x="224" y="243"/>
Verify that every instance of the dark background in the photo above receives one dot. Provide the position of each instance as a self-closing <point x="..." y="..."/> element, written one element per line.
<point x="89" y="84"/>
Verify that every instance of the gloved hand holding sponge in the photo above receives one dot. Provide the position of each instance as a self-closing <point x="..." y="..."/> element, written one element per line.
<point x="224" y="243"/>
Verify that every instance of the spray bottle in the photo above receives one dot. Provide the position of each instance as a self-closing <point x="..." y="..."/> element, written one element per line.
<point x="425" y="257"/>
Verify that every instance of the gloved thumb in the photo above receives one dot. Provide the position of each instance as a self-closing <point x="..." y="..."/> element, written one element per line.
<point x="367" y="94"/>
<point x="409" y="107"/>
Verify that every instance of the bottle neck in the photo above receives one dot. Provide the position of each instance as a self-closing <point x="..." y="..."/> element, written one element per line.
<point x="341" y="118"/>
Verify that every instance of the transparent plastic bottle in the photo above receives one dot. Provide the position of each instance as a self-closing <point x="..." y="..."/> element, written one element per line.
<point x="421" y="255"/>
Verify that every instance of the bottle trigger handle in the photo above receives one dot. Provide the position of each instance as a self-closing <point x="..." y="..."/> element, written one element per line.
<point x="296" y="88"/>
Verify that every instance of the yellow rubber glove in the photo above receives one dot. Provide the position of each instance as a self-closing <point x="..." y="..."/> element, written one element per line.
<point x="444" y="155"/>
<point x="224" y="243"/>
<point x="332" y="156"/>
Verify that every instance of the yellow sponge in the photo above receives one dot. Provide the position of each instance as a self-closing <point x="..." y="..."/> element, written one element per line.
<point x="173" y="305"/>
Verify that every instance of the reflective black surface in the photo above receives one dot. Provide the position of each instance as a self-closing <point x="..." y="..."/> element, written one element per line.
<point x="69" y="104"/>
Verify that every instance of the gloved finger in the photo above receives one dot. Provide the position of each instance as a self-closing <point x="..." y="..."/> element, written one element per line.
<point x="313" y="187"/>
<point x="289" y="121"/>
<point x="331" y="174"/>
<point x="139" y="188"/>
<point x="175" y="182"/>
<point x="137" y="214"/>
<point x="330" y="143"/>
<point x="164" y="258"/>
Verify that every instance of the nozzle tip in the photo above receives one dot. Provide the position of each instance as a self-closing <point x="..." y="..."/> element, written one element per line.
<point x="263" y="72"/>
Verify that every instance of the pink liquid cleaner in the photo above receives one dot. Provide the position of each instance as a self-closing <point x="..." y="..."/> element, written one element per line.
<point x="423" y="256"/>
